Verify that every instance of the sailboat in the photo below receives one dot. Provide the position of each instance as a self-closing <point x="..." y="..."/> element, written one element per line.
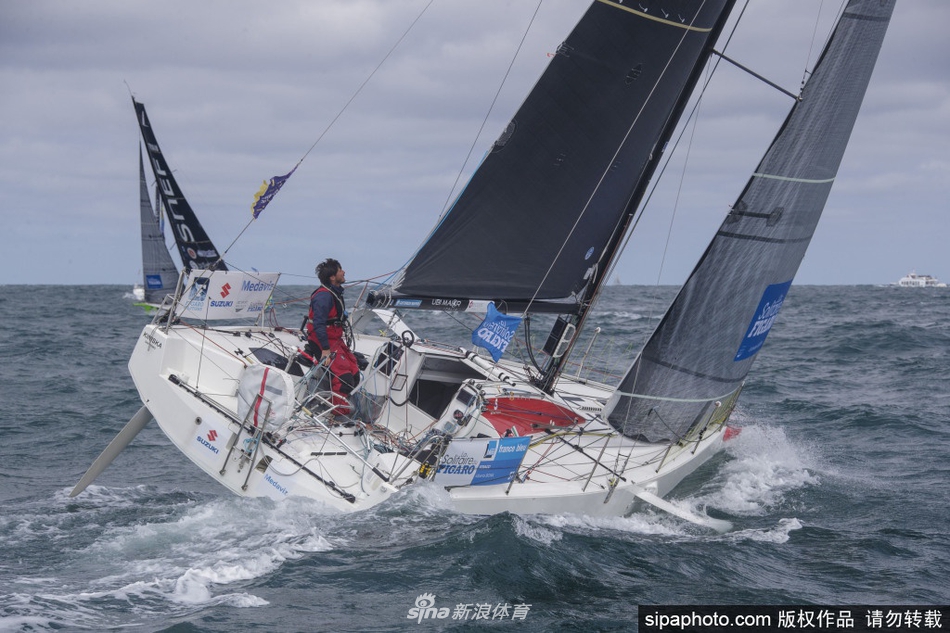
<point x="570" y="171"/>
<point x="159" y="273"/>
<point x="195" y="249"/>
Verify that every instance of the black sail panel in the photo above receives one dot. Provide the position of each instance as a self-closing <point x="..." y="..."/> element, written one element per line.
<point x="540" y="209"/>
<point x="193" y="243"/>
<point x="706" y="343"/>
<point x="158" y="269"/>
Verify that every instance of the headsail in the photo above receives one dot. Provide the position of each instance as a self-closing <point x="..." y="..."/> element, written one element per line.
<point x="158" y="268"/>
<point x="706" y="343"/>
<point x="542" y="210"/>
<point x="194" y="245"/>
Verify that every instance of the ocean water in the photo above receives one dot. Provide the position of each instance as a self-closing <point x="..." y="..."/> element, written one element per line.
<point x="837" y="487"/>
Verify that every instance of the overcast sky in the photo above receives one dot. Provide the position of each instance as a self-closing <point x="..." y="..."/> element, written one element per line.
<point x="238" y="90"/>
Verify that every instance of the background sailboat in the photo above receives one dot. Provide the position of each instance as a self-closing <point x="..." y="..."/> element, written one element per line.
<point x="159" y="273"/>
<point x="195" y="249"/>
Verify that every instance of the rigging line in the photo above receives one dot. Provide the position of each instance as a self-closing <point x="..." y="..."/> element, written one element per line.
<point x="458" y="177"/>
<point x="679" y="191"/>
<point x="669" y="156"/>
<point x="613" y="158"/>
<point x="760" y="77"/>
<point x="366" y="81"/>
<point x="811" y="46"/>
<point x="342" y="110"/>
<point x="491" y="107"/>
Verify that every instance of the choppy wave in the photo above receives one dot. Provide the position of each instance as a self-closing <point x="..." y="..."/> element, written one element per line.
<point x="834" y="489"/>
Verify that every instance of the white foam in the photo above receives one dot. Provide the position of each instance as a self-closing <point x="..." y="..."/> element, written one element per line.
<point x="766" y="466"/>
<point x="529" y="529"/>
<point x="191" y="559"/>
<point x="641" y="523"/>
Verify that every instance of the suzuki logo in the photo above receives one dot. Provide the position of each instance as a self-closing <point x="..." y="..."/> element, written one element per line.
<point x="212" y="435"/>
<point x="225" y="290"/>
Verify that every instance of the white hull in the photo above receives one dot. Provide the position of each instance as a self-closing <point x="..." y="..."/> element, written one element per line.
<point x="188" y="378"/>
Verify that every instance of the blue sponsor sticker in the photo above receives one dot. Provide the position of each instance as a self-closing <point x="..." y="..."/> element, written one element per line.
<point x="765" y="314"/>
<point x="502" y="459"/>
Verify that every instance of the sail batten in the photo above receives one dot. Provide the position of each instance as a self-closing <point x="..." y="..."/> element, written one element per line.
<point x="810" y="181"/>
<point x="720" y="319"/>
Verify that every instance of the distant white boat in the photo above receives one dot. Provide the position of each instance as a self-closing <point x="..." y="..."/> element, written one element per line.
<point x="913" y="280"/>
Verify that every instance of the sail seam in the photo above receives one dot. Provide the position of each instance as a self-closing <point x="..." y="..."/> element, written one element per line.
<point x="683" y="370"/>
<point x="687" y="27"/>
<point x="869" y="18"/>
<point x="813" y="181"/>
<point x="758" y="238"/>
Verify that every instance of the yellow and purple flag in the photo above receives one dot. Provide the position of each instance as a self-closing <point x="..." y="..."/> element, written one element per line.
<point x="267" y="191"/>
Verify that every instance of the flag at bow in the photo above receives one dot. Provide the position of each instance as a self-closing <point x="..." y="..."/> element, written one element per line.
<point x="267" y="191"/>
<point x="495" y="332"/>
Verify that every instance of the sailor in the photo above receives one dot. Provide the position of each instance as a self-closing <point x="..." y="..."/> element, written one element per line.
<point x="326" y="333"/>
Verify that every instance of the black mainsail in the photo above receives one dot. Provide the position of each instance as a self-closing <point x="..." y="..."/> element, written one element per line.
<point x="158" y="269"/>
<point x="542" y="215"/>
<point x="694" y="364"/>
<point x="194" y="245"/>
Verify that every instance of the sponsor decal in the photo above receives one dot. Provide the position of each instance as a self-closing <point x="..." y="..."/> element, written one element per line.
<point x="256" y="286"/>
<point x="212" y="436"/>
<point x="408" y="303"/>
<point x="198" y="293"/>
<point x="153" y="343"/>
<point x="273" y="482"/>
<point x="153" y="281"/>
<point x="457" y="465"/>
<point x="453" y="304"/>
<point x="222" y="304"/>
<point x="481" y="462"/>
<point x="225" y="290"/>
<point x="769" y="306"/>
